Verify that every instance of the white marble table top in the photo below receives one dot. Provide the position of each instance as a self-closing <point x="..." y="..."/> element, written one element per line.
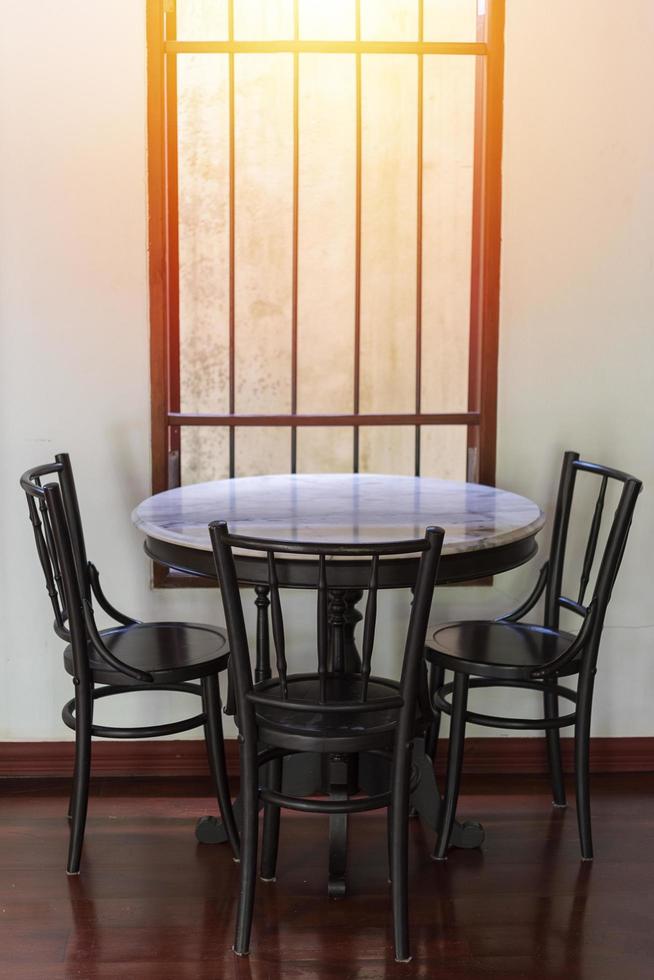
<point x="341" y="508"/>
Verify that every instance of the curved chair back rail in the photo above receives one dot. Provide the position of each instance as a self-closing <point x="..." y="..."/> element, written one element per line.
<point x="333" y="710"/>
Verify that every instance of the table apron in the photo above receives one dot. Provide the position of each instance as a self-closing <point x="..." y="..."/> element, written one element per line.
<point x="396" y="573"/>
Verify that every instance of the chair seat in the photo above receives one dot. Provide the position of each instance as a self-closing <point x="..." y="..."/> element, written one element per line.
<point x="334" y="731"/>
<point x="500" y="650"/>
<point x="171" y="652"/>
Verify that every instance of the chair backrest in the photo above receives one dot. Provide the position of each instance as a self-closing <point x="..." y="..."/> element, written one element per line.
<point x="55" y="517"/>
<point x="605" y="559"/>
<point x="426" y="549"/>
<point x="42" y="509"/>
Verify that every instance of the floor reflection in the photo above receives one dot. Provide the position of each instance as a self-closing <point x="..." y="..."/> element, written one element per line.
<point x="151" y="903"/>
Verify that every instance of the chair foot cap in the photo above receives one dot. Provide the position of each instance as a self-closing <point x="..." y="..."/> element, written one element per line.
<point x="407" y="960"/>
<point x="435" y="857"/>
<point x="587" y="860"/>
<point x="72" y="874"/>
<point x="236" y="952"/>
<point x="261" y="878"/>
<point x="559" y="806"/>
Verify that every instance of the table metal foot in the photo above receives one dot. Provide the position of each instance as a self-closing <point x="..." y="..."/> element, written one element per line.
<point x="427" y="801"/>
<point x="210" y="830"/>
<point x="467" y="834"/>
<point x="302" y="776"/>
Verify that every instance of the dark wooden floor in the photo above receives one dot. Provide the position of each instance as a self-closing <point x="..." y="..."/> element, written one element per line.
<point x="151" y="903"/>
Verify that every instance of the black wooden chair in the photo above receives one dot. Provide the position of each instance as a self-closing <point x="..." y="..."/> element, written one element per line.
<point x="130" y="656"/>
<point x="509" y="653"/>
<point x="327" y="711"/>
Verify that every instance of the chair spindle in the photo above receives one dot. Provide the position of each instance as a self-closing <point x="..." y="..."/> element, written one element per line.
<point x="52" y="552"/>
<point x="591" y="547"/>
<point x="370" y="622"/>
<point x="45" y="557"/>
<point x="322" y="627"/>
<point x="277" y="624"/>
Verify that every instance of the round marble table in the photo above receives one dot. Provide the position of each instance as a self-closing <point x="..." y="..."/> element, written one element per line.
<point x="486" y="531"/>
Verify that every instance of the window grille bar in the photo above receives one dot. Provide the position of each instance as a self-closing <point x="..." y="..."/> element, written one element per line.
<point x="419" y="213"/>
<point x="357" y="248"/>
<point x="476" y="284"/>
<point x="296" y="182"/>
<point x="355" y="420"/>
<point x="232" y="245"/>
<point x="326" y="47"/>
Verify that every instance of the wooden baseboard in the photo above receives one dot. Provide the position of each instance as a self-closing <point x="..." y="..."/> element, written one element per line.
<point x="156" y="757"/>
<point x="528" y="756"/>
<point x="168" y="757"/>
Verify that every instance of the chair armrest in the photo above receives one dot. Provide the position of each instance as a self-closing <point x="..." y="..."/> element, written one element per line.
<point x="105" y="654"/>
<point x="530" y="601"/>
<point x="573" y="650"/>
<point x="103" y="602"/>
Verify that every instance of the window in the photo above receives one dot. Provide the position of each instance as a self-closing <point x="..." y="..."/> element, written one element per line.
<point x="324" y="184"/>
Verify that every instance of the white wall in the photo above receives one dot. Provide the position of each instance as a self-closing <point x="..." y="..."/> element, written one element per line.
<point x="577" y="339"/>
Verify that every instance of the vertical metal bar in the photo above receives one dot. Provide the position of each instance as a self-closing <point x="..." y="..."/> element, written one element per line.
<point x="476" y="283"/>
<point x="296" y="160"/>
<point x="419" y="152"/>
<point x="232" y="248"/>
<point x="357" y="247"/>
<point x="492" y="225"/>
<point x="172" y="248"/>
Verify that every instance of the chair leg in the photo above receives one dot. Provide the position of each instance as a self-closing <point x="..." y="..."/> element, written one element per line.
<point x="271" y="817"/>
<point x="72" y="787"/>
<point x="71" y="795"/>
<point x="454" y="763"/>
<point x="249" y="832"/>
<point x="213" y="734"/>
<point x="79" y="799"/>
<point x="582" y="748"/>
<point x="553" y="737"/>
<point x="399" y="854"/>
<point x="389" y="841"/>
<point x="436" y="675"/>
